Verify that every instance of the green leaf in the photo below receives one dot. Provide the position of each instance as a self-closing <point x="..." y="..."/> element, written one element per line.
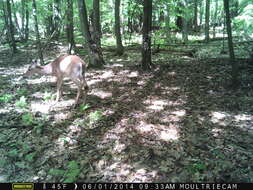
<point x="21" y="103"/>
<point x="56" y="172"/>
<point x="84" y="107"/>
<point x="21" y="165"/>
<point x="30" y="157"/>
<point x="6" y="98"/>
<point x="13" y="153"/>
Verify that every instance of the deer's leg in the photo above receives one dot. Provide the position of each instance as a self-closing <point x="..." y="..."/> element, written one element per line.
<point x="86" y="88"/>
<point x="79" y="84"/>
<point x="59" y="84"/>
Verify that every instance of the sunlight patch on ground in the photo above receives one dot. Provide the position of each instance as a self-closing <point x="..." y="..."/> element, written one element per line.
<point x="63" y="140"/>
<point x="179" y="113"/>
<point x="39" y="80"/>
<point x="141" y="82"/>
<point x="48" y="106"/>
<point x="220" y="118"/>
<point x="243" y="117"/>
<point x="216" y="132"/>
<point x="244" y="121"/>
<point x="133" y="74"/>
<point x="61" y="116"/>
<point x="157" y="105"/>
<point x="107" y="74"/>
<point x="119" y="171"/>
<point x="40" y="107"/>
<point x="142" y="175"/>
<point x="162" y="132"/>
<point x="124" y="72"/>
<point x="3" y="110"/>
<point x="93" y="81"/>
<point x="118" y="147"/>
<point x="101" y="93"/>
<point x="114" y="65"/>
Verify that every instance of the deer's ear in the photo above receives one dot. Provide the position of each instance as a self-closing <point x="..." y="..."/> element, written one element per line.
<point x="38" y="62"/>
<point x="39" y="67"/>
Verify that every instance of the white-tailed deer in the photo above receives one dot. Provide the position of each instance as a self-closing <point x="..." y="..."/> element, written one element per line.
<point x="70" y="66"/>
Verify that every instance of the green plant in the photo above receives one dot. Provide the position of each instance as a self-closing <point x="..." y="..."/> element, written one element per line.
<point x="13" y="153"/>
<point x="47" y="96"/>
<point x="56" y="172"/>
<point x="6" y="98"/>
<point x="84" y="107"/>
<point x="22" y="92"/>
<point x="196" y="167"/>
<point x="30" y="157"/>
<point x="72" y="172"/>
<point x="95" y="116"/>
<point x="70" y="175"/>
<point x="28" y="119"/>
<point x="38" y="129"/>
<point x="21" y="103"/>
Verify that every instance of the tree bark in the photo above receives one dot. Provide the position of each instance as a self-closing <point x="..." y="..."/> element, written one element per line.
<point x="37" y="31"/>
<point x="184" y="22"/>
<point x="195" y="20"/>
<point x="23" y="19"/>
<point x="120" y="48"/>
<point x="95" y="51"/>
<point x="146" y="41"/>
<point x="96" y="22"/>
<point x="56" y="19"/>
<point x="215" y="18"/>
<point x="207" y="38"/>
<point x="234" y="73"/>
<point x="70" y="26"/>
<point x="11" y="27"/>
<point x="16" y="20"/>
<point x="167" y="22"/>
<point x="179" y="18"/>
<point x="27" y="21"/>
<point x="201" y="12"/>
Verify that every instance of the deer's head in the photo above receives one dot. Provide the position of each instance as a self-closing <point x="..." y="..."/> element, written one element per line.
<point x="34" y="67"/>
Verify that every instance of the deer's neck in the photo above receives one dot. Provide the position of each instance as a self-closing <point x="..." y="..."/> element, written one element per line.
<point x="47" y="69"/>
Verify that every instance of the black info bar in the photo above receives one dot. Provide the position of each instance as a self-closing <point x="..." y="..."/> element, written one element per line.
<point x="125" y="186"/>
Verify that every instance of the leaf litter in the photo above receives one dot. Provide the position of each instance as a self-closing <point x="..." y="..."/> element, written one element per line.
<point x="178" y="123"/>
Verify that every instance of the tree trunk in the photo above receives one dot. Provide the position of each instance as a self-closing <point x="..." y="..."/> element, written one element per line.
<point x="49" y="20"/>
<point x="167" y="22"/>
<point x="207" y="21"/>
<point x="195" y="20"/>
<point x="120" y="49"/>
<point x="16" y="19"/>
<point x="201" y="12"/>
<point x="56" y="19"/>
<point x="215" y="18"/>
<point x="70" y="26"/>
<point x="234" y="74"/>
<point x="179" y="18"/>
<point x="37" y="31"/>
<point x="27" y="21"/>
<point x="11" y="27"/>
<point x="95" y="51"/>
<point x="96" y="21"/>
<point x="6" y="23"/>
<point x="146" y="41"/>
<point x="23" y="19"/>
<point x="184" y="22"/>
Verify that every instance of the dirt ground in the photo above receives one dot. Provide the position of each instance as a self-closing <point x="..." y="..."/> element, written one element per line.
<point x="178" y="123"/>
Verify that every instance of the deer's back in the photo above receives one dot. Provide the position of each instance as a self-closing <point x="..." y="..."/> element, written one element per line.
<point x="66" y="65"/>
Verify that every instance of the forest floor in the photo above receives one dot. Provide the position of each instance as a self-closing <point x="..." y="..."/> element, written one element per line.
<point x="178" y="123"/>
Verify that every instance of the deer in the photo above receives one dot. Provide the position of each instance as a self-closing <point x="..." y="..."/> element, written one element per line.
<point x="70" y="66"/>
